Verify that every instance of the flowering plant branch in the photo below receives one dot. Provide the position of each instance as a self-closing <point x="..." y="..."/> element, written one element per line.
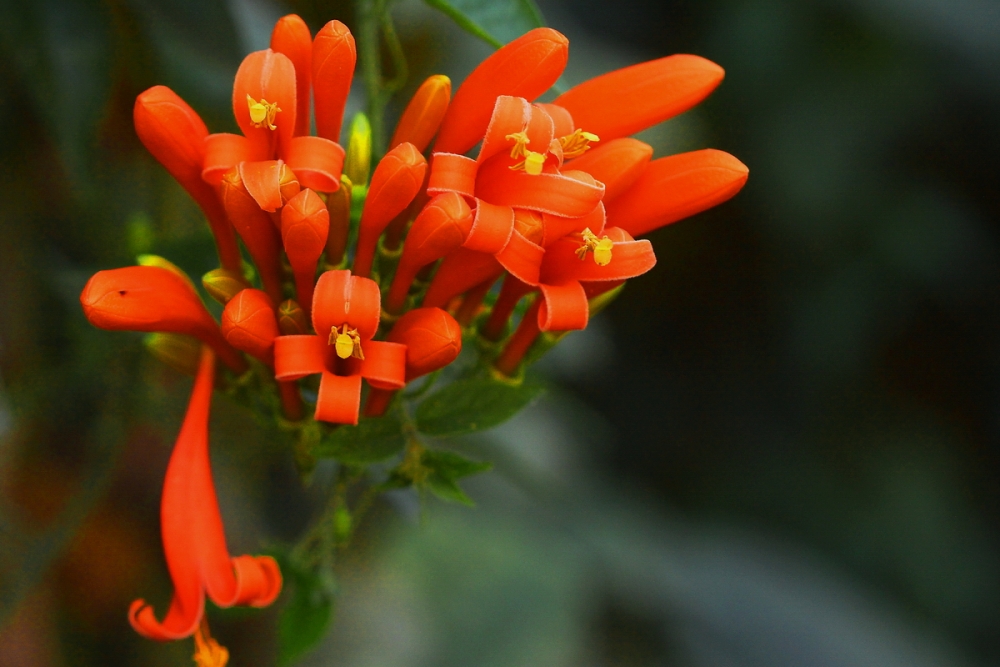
<point x="384" y="307"/>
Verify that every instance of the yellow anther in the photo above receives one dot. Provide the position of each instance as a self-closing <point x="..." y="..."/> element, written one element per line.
<point x="601" y="247"/>
<point x="207" y="651"/>
<point x="576" y="144"/>
<point x="521" y="141"/>
<point x="262" y="113"/>
<point x="347" y="342"/>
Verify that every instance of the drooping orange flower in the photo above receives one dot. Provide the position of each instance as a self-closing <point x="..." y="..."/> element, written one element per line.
<point x="345" y="314"/>
<point x="194" y="541"/>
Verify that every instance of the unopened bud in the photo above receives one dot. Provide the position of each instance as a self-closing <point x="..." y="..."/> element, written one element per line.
<point x="305" y="224"/>
<point x="223" y="285"/>
<point x="432" y="337"/>
<point x="292" y="319"/>
<point x="423" y="115"/>
<point x="248" y="324"/>
<point x="358" y="163"/>
<point x="338" y="204"/>
<point x="163" y="263"/>
<point x="181" y="353"/>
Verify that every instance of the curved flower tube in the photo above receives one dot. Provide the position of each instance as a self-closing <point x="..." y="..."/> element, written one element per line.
<point x="194" y="541"/>
<point x="153" y="299"/>
<point x="345" y="314"/>
<point x="175" y="135"/>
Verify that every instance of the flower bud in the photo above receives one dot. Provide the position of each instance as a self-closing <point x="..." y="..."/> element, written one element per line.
<point x="338" y="205"/>
<point x="223" y="285"/>
<point x="180" y="352"/>
<point x="618" y="164"/>
<point x="525" y="67"/>
<point x="395" y="183"/>
<point x="358" y="163"/>
<point x="248" y="324"/>
<point x="333" y="58"/>
<point x="440" y="228"/>
<point x="164" y="263"/>
<point x="292" y="320"/>
<point x="423" y="115"/>
<point x="305" y="224"/>
<point x="432" y="337"/>
<point x="291" y="37"/>
<point x="255" y="228"/>
<point x="153" y="299"/>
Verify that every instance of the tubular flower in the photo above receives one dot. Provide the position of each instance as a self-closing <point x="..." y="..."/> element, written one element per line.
<point x="423" y="115"/>
<point x="194" y="541"/>
<point x="153" y="299"/>
<point x="345" y="316"/>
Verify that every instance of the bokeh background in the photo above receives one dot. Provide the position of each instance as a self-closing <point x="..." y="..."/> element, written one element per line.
<point x="780" y="447"/>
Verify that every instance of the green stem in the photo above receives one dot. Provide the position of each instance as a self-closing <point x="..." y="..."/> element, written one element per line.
<point x="369" y="14"/>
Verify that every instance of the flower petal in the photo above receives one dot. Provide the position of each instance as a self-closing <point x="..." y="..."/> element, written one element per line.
<point x="491" y="229"/>
<point x="339" y="398"/>
<point x="341" y="298"/>
<point x="675" y="187"/>
<point x="317" y="163"/>
<point x="266" y="75"/>
<point x="510" y="115"/>
<point x="629" y="258"/>
<point x="223" y="153"/>
<point x="631" y="99"/>
<point x="459" y="272"/>
<point x="296" y="357"/>
<point x="384" y="365"/>
<point x="526" y="67"/>
<point x="452" y="173"/>
<point x="571" y="194"/>
<point x="522" y="259"/>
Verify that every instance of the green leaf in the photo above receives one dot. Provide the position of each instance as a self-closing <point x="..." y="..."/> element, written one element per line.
<point x="306" y="616"/>
<point x="496" y="22"/>
<point x="371" y="441"/>
<point x="473" y="404"/>
<point x="444" y="468"/>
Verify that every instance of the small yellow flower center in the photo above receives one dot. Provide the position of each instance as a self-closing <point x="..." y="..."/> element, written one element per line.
<point x="576" y="144"/>
<point x="530" y="161"/>
<point x="347" y="342"/>
<point x="601" y="247"/>
<point x="262" y="113"/>
<point x="207" y="651"/>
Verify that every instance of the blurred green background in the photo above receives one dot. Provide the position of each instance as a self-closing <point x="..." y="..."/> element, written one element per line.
<point x="780" y="447"/>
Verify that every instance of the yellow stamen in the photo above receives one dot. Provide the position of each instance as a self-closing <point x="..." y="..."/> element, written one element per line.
<point x="520" y="140"/>
<point x="207" y="651"/>
<point x="262" y="113"/>
<point x="601" y="247"/>
<point x="576" y="144"/>
<point x="347" y="342"/>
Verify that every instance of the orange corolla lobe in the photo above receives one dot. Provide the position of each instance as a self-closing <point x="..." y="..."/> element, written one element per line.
<point x="266" y="78"/>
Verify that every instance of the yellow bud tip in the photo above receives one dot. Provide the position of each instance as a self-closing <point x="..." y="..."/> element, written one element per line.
<point x="262" y="113"/>
<point x="208" y="652"/>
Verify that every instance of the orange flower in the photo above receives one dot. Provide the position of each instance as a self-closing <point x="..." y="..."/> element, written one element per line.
<point x="194" y="541"/>
<point x="345" y="314"/>
<point x="423" y="115"/>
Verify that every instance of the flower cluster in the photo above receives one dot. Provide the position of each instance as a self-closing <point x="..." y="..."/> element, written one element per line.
<point x="524" y="238"/>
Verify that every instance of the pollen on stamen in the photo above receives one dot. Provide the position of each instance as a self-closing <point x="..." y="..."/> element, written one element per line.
<point x="601" y="247"/>
<point x="262" y="113"/>
<point x="346" y="342"/>
<point x="577" y="143"/>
